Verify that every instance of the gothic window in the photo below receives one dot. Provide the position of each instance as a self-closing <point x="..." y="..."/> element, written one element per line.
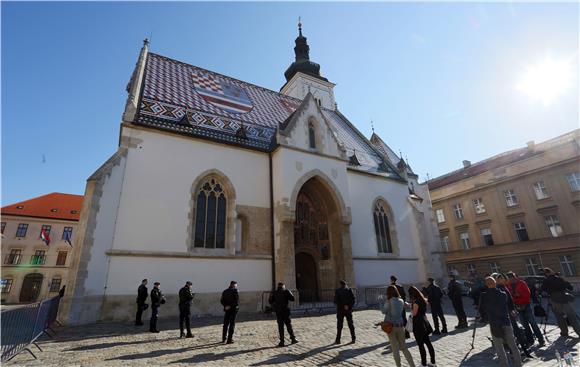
<point x="210" y="215"/>
<point x="382" y="229"/>
<point x="311" y="136"/>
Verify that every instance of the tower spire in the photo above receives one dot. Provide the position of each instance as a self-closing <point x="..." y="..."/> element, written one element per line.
<point x="302" y="61"/>
<point x="299" y="27"/>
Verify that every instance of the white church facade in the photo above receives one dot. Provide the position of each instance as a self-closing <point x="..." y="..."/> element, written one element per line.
<point x="216" y="179"/>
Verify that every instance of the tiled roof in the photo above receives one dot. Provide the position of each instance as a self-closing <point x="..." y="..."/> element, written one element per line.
<point x="499" y="160"/>
<point x="55" y="206"/>
<point x="388" y="152"/>
<point x="170" y="101"/>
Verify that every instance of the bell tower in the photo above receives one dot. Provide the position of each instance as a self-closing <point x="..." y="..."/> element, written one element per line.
<point x="303" y="76"/>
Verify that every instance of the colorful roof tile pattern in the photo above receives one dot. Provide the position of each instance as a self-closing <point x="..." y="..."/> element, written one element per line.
<point x="190" y="100"/>
<point x="55" y="206"/>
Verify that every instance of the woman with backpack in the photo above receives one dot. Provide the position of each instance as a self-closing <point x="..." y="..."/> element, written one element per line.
<point x="394" y="326"/>
<point x="421" y="326"/>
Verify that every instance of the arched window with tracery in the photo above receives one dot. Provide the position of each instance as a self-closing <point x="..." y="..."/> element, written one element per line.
<point x="311" y="136"/>
<point x="210" y="215"/>
<point x="382" y="229"/>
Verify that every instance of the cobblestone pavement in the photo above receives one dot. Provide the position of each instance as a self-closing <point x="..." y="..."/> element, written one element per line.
<point x="255" y="339"/>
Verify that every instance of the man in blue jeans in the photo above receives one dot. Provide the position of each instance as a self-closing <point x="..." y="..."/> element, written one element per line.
<point x="522" y="300"/>
<point x="494" y="302"/>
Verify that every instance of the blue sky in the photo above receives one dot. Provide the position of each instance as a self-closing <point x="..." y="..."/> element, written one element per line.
<point x="437" y="79"/>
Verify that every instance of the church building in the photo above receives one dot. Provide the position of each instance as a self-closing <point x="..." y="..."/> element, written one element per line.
<point x="216" y="179"/>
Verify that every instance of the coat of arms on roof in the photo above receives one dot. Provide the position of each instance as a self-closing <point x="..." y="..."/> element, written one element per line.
<point x="222" y="94"/>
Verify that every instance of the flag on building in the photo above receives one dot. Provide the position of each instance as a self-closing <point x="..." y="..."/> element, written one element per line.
<point x="45" y="237"/>
<point x="67" y="238"/>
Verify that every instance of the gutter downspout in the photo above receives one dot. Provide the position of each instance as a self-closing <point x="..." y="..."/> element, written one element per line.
<point x="272" y="222"/>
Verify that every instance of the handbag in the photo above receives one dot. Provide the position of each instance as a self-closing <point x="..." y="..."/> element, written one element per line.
<point x="428" y="327"/>
<point x="387" y="327"/>
<point x="539" y="311"/>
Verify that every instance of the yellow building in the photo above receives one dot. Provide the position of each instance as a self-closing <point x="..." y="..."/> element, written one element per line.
<point x="37" y="246"/>
<point x="515" y="211"/>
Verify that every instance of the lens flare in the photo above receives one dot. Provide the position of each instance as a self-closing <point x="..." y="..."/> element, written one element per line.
<point x="547" y="80"/>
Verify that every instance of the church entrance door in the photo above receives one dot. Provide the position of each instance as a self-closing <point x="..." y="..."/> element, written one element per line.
<point x="306" y="277"/>
<point x="31" y="287"/>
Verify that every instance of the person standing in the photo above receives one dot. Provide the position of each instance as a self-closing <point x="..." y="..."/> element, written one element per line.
<point x="454" y="293"/>
<point x="435" y="296"/>
<point x="401" y="291"/>
<point x="494" y="303"/>
<point x="142" y="295"/>
<point x="344" y="300"/>
<point x="392" y="309"/>
<point x="230" y="300"/>
<point x="561" y="299"/>
<point x="279" y="300"/>
<point x="185" y="298"/>
<point x="157" y="299"/>
<point x="522" y="297"/>
<point x="421" y="327"/>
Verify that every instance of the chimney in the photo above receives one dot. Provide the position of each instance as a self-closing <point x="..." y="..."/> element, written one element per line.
<point x="466" y="163"/>
<point x="531" y="145"/>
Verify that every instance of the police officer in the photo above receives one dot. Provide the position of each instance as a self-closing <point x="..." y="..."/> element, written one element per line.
<point x="142" y="295"/>
<point x="454" y="293"/>
<point x="157" y="299"/>
<point x="185" y="298"/>
<point x="344" y="300"/>
<point x="231" y="301"/>
<point x="279" y="300"/>
<point x="435" y="295"/>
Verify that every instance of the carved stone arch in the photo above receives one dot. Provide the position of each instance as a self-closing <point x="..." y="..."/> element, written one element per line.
<point x="231" y="214"/>
<point x="380" y="200"/>
<point x="329" y="184"/>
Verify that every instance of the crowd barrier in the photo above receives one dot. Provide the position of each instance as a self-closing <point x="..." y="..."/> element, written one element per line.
<point x="22" y="326"/>
<point x="309" y="300"/>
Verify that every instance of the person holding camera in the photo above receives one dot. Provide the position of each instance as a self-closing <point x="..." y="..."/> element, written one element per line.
<point x="157" y="299"/>
<point x="522" y="297"/>
<point x="142" y="295"/>
<point x="280" y="299"/>
<point x="561" y="299"/>
<point x="185" y="298"/>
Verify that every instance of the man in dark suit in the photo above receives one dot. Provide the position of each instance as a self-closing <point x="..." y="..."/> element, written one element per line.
<point x="157" y="299"/>
<point x="279" y="300"/>
<point x="185" y="298"/>
<point x="454" y="294"/>
<point x="344" y="300"/>
<point x="142" y="295"/>
<point x="231" y="302"/>
<point x="435" y="295"/>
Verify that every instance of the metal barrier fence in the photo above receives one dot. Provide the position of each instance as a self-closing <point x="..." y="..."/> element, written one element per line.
<point x="22" y="326"/>
<point x="309" y="300"/>
<point x="375" y="296"/>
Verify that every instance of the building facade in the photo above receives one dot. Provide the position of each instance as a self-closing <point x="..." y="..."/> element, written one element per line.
<point x="515" y="211"/>
<point x="38" y="246"/>
<point x="216" y="179"/>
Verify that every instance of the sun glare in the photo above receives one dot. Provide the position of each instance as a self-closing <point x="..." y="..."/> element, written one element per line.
<point x="547" y="80"/>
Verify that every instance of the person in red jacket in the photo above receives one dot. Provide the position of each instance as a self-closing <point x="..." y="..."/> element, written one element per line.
<point x="522" y="299"/>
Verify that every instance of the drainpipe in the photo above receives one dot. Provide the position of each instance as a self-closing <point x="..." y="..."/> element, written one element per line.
<point x="272" y="223"/>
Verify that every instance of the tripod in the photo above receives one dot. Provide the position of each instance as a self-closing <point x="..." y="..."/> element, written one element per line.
<point x="548" y="307"/>
<point x="475" y="323"/>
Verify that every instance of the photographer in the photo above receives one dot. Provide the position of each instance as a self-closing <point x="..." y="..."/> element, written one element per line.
<point x="561" y="299"/>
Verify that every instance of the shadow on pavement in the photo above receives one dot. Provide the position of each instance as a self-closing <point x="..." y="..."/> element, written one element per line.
<point x="209" y="357"/>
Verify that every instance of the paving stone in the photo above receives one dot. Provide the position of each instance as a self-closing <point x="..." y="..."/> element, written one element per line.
<point x="110" y="344"/>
